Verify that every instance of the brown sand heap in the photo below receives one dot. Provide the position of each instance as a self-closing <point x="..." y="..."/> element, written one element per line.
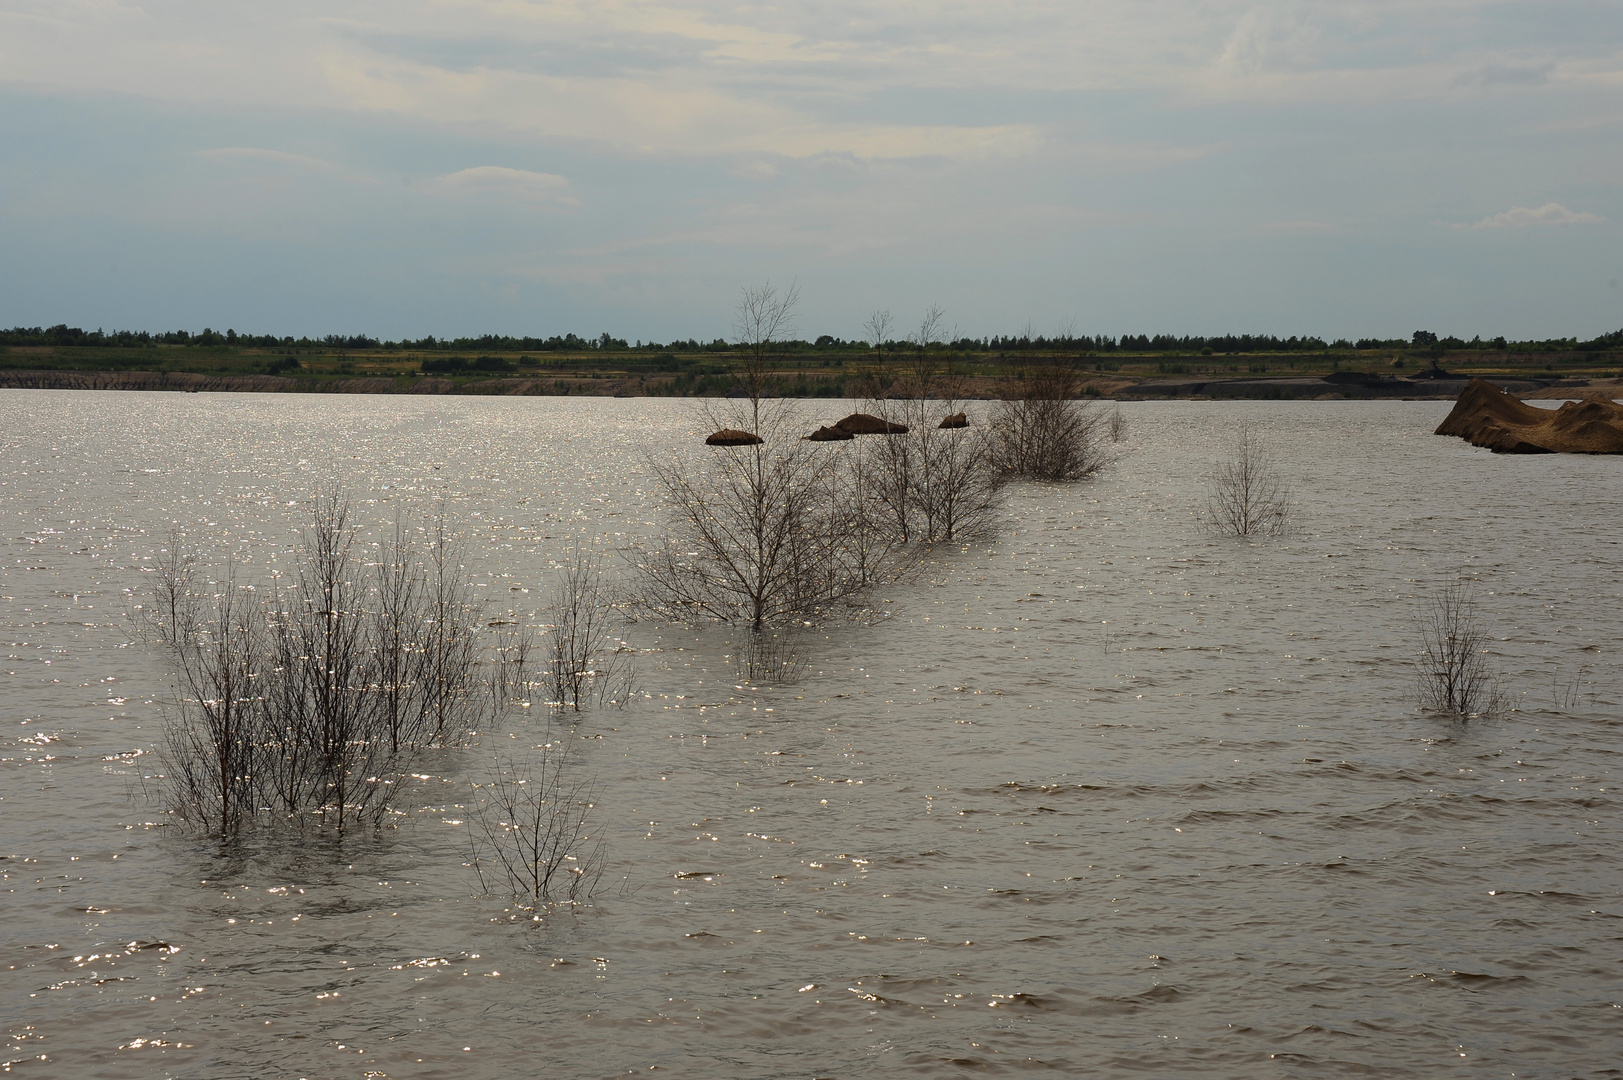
<point x="956" y="420"/>
<point x="1485" y="415"/>
<point x="861" y="423"/>
<point x="829" y="434"/>
<point x="732" y="437"/>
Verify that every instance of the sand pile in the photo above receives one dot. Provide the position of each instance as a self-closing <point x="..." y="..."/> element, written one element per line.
<point x="861" y="423"/>
<point x="1485" y="415"/>
<point x="732" y="437"/>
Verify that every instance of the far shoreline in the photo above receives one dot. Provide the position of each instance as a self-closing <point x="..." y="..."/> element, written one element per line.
<point x="1346" y="385"/>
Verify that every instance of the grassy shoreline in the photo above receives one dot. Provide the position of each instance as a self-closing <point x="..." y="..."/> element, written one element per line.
<point x="833" y="372"/>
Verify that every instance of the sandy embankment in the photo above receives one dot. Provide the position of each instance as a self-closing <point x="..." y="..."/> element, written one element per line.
<point x="1578" y="388"/>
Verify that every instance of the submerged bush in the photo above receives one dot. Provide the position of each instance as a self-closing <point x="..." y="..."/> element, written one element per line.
<point x="585" y="659"/>
<point x="930" y="484"/>
<point x="763" y="534"/>
<point x="1043" y="430"/>
<point x="1455" y="674"/>
<point x="311" y="699"/>
<point x="1245" y="495"/>
<point x="784" y="531"/>
<point x="530" y="827"/>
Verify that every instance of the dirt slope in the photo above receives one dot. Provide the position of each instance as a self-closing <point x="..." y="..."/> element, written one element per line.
<point x="1486" y="416"/>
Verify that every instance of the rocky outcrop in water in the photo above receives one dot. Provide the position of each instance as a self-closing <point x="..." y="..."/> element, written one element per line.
<point x="861" y="423"/>
<point x="1486" y="416"/>
<point x="733" y="437"/>
<point x="956" y="420"/>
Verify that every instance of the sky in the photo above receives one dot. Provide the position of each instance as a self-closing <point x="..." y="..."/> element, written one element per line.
<point x="1344" y="169"/>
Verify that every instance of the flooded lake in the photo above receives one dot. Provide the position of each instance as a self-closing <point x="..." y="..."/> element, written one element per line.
<point x="1106" y="796"/>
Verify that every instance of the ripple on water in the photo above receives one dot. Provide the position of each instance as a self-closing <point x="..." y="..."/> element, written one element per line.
<point x="1104" y="797"/>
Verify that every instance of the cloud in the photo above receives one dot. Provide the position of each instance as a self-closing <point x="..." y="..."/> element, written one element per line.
<point x="755" y="170"/>
<point x="695" y="78"/>
<point x="498" y="184"/>
<point x="1520" y="217"/>
<point x="1511" y="74"/>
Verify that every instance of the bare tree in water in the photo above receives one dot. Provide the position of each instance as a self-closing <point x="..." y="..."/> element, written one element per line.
<point x="173" y="602"/>
<point x="1043" y="430"/>
<point x="764" y="317"/>
<point x="758" y="534"/>
<point x="585" y="657"/>
<point x="932" y="482"/>
<point x="214" y="747"/>
<point x="309" y="705"/>
<point x="1456" y="676"/>
<point x="532" y="826"/>
<point x="1245" y="495"/>
<point x="874" y="378"/>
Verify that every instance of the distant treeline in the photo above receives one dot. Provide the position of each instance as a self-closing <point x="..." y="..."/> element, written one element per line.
<point x="63" y="335"/>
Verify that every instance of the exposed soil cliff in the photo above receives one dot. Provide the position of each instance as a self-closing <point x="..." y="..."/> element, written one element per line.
<point x="1486" y="416"/>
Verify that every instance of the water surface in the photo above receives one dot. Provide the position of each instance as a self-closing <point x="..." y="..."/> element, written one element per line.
<point x="1104" y="797"/>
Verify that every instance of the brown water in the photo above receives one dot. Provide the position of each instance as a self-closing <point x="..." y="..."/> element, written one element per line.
<point x="1106" y="797"/>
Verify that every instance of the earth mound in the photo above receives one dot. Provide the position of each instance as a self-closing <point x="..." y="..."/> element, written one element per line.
<point x="956" y="420"/>
<point x="1486" y="416"/>
<point x="861" y="423"/>
<point x="829" y="434"/>
<point x="732" y="437"/>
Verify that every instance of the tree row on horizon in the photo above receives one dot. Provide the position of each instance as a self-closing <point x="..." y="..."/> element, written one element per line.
<point x="64" y="336"/>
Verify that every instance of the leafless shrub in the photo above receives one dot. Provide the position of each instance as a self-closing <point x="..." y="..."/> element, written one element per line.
<point x="928" y="371"/>
<point x="510" y="681"/>
<point x="1042" y="430"/>
<point x="311" y="704"/>
<point x="584" y="655"/>
<point x="1245" y="496"/>
<point x="877" y="329"/>
<point x="769" y="656"/>
<point x="762" y="534"/>
<point x="399" y="588"/>
<point x="1455" y="674"/>
<point x="874" y="378"/>
<point x="531" y="822"/>
<point x="764" y="317"/>
<point x="1568" y="692"/>
<point x="931" y="484"/>
<point x="214" y="748"/>
<point x="165" y="618"/>
<point x="452" y="619"/>
<point x="1118" y="425"/>
<point x="870" y="549"/>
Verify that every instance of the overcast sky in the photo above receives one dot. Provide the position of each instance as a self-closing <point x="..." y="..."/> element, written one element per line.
<point x="529" y="166"/>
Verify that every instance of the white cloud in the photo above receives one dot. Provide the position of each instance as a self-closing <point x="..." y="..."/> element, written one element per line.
<point x="711" y="77"/>
<point x="755" y="170"/>
<point x="1520" y="217"/>
<point x="493" y="182"/>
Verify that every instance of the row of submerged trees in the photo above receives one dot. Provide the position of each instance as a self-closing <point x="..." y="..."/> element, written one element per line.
<point x="785" y="531"/>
